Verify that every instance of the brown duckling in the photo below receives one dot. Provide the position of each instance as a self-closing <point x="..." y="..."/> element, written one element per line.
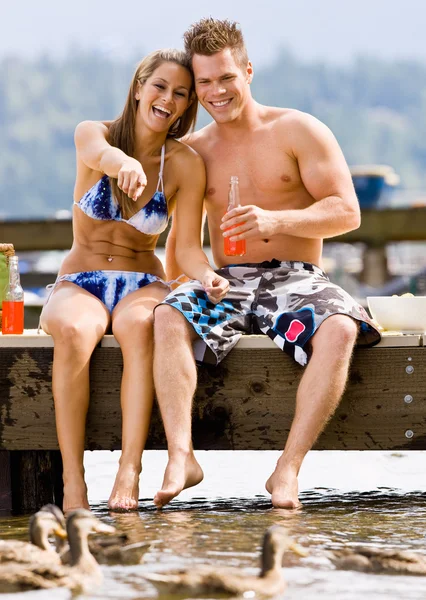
<point x="118" y="552"/>
<point x="375" y="560"/>
<point x="48" y="521"/>
<point x="111" y="550"/>
<point x="233" y="582"/>
<point x="84" y="572"/>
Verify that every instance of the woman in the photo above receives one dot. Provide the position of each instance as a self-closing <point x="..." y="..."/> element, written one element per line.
<point x="131" y="173"/>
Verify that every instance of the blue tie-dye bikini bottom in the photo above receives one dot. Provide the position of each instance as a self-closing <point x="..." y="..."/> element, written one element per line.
<point x="109" y="286"/>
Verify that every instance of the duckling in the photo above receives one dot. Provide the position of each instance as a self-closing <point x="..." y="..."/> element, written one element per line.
<point x="233" y="582"/>
<point x="375" y="560"/>
<point x="84" y="572"/>
<point x="118" y="552"/>
<point x="47" y="521"/>
<point x="112" y="550"/>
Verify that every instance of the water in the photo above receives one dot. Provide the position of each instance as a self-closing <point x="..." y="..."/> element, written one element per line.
<point x="349" y="498"/>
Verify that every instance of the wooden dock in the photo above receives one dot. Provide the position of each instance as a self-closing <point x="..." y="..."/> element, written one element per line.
<point x="378" y="227"/>
<point x="245" y="403"/>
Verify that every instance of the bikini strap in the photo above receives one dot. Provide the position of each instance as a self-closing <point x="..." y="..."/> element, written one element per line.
<point x="160" y="184"/>
<point x="172" y="281"/>
<point x="50" y="287"/>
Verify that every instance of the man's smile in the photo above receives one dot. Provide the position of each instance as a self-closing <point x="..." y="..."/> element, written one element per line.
<point x="220" y="103"/>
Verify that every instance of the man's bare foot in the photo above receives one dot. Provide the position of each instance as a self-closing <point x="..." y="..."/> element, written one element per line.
<point x="182" y="472"/>
<point x="75" y="496"/>
<point x="125" y="493"/>
<point x="284" y="489"/>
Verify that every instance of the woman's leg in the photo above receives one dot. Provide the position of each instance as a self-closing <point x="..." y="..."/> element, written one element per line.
<point x="76" y="320"/>
<point x="132" y="325"/>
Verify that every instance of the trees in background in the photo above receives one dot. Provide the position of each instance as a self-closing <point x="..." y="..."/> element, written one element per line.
<point x="376" y="109"/>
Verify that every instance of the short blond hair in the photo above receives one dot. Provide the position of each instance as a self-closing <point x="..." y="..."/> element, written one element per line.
<point x="209" y="36"/>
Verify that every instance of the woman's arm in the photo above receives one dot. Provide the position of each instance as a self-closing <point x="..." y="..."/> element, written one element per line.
<point x="188" y="219"/>
<point x="93" y="148"/>
<point x="173" y="270"/>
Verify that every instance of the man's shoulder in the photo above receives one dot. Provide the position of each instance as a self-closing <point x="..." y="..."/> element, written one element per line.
<point x="299" y="128"/>
<point x="196" y="139"/>
<point x="291" y="117"/>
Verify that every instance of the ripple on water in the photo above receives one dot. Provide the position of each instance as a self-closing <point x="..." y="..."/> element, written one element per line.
<point x="228" y="531"/>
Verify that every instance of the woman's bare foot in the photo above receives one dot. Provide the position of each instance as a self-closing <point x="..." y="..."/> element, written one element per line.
<point x="284" y="489"/>
<point x="125" y="493"/>
<point x="75" y="495"/>
<point x="182" y="472"/>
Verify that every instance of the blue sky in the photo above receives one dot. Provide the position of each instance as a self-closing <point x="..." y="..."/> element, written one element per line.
<point x="334" y="30"/>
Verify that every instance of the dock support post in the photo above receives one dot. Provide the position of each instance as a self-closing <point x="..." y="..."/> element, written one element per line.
<point x="5" y="485"/>
<point x="29" y="479"/>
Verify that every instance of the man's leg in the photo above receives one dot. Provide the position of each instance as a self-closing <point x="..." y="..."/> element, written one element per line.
<point x="318" y="396"/>
<point x="175" y="379"/>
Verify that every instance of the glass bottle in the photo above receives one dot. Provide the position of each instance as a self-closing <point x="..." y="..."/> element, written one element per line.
<point x="13" y="303"/>
<point x="237" y="248"/>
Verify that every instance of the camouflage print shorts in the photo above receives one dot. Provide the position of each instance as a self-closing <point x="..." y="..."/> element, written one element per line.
<point x="287" y="301"/>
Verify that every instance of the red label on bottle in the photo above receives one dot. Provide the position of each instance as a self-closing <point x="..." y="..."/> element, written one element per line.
<point x="12" y="317"/>
<point x="237" y="248"/>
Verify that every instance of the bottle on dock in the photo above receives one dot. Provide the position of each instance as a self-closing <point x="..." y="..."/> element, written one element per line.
<point x="237" y="248"/>
<point x="13" y="303"/>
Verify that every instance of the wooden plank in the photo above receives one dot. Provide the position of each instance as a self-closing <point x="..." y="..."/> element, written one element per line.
<point x="395" y="339"/>
<point x="36" y="280"/>
<point x="29" y="339"/>
<point x="389" y="225"/>
<point x="33" y="339"/>
<point x="44" y="234"/>
<point x="245" y="403"/>
<point x="377" y="227"/>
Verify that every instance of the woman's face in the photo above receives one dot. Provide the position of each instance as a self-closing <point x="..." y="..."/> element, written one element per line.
<point x="165" y="96"/>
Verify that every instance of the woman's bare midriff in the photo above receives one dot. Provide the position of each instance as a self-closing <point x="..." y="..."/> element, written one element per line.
<point x="106" y="257"/>
<point x="110" y="246"/>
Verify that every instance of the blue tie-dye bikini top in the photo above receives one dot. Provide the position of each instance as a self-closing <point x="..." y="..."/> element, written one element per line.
<point x="151" y="219"/>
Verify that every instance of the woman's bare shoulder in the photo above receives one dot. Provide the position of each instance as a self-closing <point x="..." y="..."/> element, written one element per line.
<point x="87" y="128"/>
<point x="184" y="154"/>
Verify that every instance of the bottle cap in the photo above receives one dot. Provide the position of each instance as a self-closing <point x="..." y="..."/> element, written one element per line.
<point x="234" y="179"/>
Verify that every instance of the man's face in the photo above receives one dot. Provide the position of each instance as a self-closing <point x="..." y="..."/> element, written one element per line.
<point x="222" y="87"/>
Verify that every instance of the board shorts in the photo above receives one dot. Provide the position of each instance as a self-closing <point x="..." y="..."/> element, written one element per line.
<point x="285" y="300"/>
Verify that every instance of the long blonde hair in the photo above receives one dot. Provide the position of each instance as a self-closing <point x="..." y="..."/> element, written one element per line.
<point x="122" y="130"/>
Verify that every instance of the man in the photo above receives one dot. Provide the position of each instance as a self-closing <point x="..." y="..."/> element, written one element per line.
<point x="296" y="189"/>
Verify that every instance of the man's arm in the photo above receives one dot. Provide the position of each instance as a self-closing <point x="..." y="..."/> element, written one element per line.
<point x="326" y="177"/>
<point x="188" y="219"/>
<point x="94" y="150"/>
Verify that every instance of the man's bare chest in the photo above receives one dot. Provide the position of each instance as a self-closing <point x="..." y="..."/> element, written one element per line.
<point x="265" y="177"/>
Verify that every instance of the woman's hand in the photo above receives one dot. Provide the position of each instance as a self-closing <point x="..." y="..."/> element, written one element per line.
<point x="131" y="178"/>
